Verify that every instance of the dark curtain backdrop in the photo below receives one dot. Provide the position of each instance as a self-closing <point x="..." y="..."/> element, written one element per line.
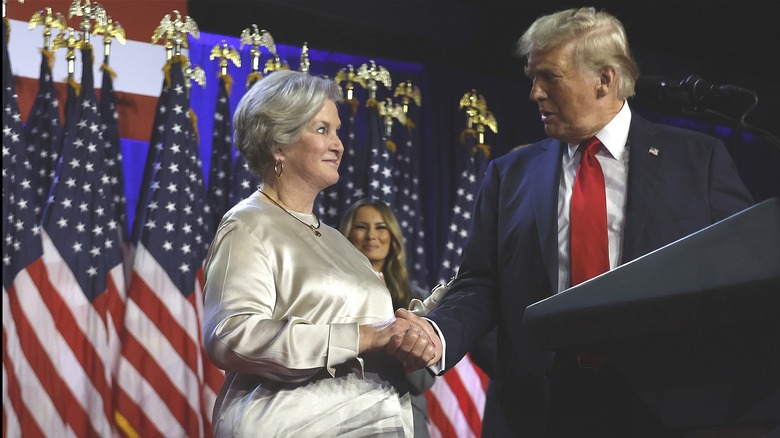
<point x="441" y="155"/>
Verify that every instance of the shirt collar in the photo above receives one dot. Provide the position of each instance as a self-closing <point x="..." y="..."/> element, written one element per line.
<point x="614" y="135"/>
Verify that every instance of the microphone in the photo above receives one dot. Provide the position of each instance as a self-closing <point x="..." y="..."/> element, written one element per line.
<point x="700" y="98"/>
<point x="691" y="90"/>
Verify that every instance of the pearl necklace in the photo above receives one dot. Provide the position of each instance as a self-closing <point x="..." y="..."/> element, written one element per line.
<point x="314" y="229"/>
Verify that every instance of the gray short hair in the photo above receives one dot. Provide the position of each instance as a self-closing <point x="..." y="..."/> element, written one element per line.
<point x="274" y="112"/>
<point x="601" y="41"/>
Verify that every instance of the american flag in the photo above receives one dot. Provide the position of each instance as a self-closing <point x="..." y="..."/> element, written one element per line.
<point x="470" y="180"/>
<point x="158" y="126"/>
<point x="380" y="184"/>
<point x="110" y="126"/>
<point x="456" y="401"/>
<point x="166" y="385"/>
<point x="408" y="207"/>
<point x="113" y="168"/>
<point x="221" y="152"/>
<point x="82" y="255"/>
<point x="244" y="181"/>
<point x="25" y="398"/>
<point x="71" y="102"/>
<point x="44" y="131"/>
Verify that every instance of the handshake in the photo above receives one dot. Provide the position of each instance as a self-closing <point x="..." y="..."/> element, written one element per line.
<point x="407" y="337"/>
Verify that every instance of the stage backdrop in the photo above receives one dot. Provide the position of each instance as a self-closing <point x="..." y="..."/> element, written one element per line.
<point x="440" y="156"/>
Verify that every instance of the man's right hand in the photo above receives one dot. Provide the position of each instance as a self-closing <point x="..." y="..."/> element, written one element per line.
<point x="419" y="347"/>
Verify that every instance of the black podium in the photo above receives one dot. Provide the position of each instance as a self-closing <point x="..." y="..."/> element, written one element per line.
<point x="694" y="326"/>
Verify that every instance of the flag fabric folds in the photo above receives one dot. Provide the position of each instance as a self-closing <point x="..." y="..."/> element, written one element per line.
<point x="19" y="222"/>
<point x="469" y="182"/>
<point x="71" y="102"/>
<point x="408" y="208"/>
<point x="456" y="402"/>
<point x="165" y="384"/>
<point x="104" y="342"/>
<point x="158" y="126"/>
<point x="82" y="257"/>
<point x="380" y="184"/>
<point x="113" y="168"/>
<point x="243" y="181"/>
<point x="221" y="152"/>
<point x="44" y="131"/>
<point x="24" y="394"/>
<point x="110" y="126"/>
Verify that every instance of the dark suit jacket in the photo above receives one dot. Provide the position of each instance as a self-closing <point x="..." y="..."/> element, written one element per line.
<point x="679" y="182"/>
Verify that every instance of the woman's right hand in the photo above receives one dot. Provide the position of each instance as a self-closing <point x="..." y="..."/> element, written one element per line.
<point x="401" y="338"/>
<point x="420" y="350"/>
<point x="376" y="336"/>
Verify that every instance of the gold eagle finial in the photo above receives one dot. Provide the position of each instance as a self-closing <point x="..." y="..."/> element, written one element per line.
<point x="110" y="29"/>
<point x="350" y="76"/>
<point x="373" y="75"/>
<point x="49" y="21"/>
<point x="88" y="12"/>
<point x="67" y="40"/>
<point x="477" y="114"/>
<point x="389" y="110"/>
<point x="174" y="31"/>
<point x="408" y="92"/>
<point x="225" y="53"/>
<point x="305" y="63"/>
<point x="256" y="38"/>
<point x="193" y="73"/>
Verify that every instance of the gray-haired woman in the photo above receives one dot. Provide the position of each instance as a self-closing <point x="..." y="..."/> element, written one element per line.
<point x="293" y="311"/>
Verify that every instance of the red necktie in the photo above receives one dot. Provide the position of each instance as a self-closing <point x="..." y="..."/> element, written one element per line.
<point x="588" y="241"/>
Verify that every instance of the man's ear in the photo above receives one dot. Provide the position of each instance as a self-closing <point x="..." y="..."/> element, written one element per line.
<point x="607" y="81"/>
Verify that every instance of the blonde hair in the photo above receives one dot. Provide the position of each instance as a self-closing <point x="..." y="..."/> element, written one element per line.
<point x="600" y="41"/>
<point x="394" y="266"/>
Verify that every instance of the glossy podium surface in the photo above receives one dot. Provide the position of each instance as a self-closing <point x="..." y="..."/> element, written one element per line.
<point x="693" y="326"/>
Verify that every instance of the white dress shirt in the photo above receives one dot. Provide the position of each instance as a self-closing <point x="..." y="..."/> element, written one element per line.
<point x="613" y="158"/>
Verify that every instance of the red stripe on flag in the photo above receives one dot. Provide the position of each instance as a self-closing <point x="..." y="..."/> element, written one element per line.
<point x="437" y="416"/>
<point x="66" y="404"/>
<point x="83" y="350"/>
<point x="148" y="307"/>
<point x="24" y="417"/>
<point x="157" y="311"/>
<point x="152" y="372"/>
<point x="456" y="401"/>
<point x="213" y="377"/>
<point x="133" y="415"/>
<point x="467" y="407"/>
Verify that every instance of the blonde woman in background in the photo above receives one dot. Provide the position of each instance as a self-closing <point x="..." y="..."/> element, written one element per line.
<point x="373" y="228"/>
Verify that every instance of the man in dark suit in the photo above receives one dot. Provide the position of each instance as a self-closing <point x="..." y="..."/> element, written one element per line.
<point x="661" y="184"/>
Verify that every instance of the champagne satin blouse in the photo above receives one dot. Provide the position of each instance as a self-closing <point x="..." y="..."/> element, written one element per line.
<point x="282" y="309"/>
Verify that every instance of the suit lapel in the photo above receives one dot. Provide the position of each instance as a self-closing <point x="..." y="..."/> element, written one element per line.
<point x="547" y="171"/>
<point x="645" y="157"/>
